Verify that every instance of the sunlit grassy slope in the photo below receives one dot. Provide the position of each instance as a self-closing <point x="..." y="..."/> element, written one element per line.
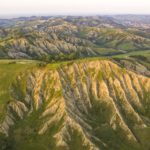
<point x="9" y="69"/>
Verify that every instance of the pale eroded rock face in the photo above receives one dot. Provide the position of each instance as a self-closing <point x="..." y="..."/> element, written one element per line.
<point x="39" y="38"/>
<point x="97" y="100"/>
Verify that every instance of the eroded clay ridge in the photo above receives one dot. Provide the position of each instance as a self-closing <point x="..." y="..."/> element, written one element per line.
<point x="92" y="98"/>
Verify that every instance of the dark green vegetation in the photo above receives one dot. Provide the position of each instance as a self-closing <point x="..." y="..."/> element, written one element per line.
<point x="75" y="83"/>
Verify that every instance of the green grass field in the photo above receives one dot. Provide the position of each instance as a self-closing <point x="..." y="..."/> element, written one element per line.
<point x="126" y="55"/>
<point x="9" y="70"/>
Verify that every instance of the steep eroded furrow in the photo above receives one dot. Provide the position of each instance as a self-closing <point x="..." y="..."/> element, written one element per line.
<point x="91" y="105"/>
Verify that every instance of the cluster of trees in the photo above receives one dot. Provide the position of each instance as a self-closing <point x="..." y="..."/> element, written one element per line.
<point x="59" y="57"/>
<point x="6" y="143"/>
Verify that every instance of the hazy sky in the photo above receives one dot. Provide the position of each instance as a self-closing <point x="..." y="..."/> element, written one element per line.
<point x="72" y="7"/>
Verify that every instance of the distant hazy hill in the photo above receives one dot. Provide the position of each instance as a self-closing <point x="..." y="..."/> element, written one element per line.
<point x="134" y="20"/>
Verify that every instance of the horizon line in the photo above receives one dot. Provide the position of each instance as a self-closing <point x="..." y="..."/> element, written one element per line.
<point x="15" y="16"/>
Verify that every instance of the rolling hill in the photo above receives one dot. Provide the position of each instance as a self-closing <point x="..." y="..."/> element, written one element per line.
<point x="69" y="38"/>
<point x="75" y="83"/>
<point x="85" y="104"/>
